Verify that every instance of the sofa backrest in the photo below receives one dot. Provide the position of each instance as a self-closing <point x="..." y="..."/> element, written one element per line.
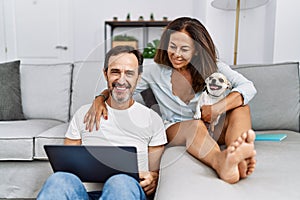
<point x="57" y="91"/>
<point x="277" y="103"/>
<point x="87" y="82"/>
<point x="45" y="91"/>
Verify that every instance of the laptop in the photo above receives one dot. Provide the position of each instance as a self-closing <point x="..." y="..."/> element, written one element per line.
<point x="93" y="163"/>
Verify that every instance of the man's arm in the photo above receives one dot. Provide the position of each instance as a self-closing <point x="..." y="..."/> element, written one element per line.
<point x="154" y="156"/>
<point x="68" y="141"/>
<point x="149" y="179"/>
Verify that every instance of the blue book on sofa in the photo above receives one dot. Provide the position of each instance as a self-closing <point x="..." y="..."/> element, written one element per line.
<point x="270" y="137"/>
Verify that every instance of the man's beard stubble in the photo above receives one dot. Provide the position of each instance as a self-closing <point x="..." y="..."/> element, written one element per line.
<point x="121" y="99"/>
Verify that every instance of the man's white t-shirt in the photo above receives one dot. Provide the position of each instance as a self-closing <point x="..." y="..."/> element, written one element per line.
<point x="136" y="126"/>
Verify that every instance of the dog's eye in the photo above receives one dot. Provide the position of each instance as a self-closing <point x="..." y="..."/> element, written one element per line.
<point x="210" y="78"/>
<point x="221" y="80"/>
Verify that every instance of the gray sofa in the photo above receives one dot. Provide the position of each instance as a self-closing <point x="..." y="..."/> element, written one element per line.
<point x="52" y="93"/>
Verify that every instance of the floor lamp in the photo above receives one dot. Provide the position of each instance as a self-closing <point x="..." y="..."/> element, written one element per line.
<point x="237" y="5"/>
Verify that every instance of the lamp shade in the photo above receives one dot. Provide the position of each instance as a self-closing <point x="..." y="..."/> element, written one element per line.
<point x="231" y="4"/>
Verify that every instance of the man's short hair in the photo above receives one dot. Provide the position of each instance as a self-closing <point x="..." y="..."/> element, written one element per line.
<point x="124" y="49"/>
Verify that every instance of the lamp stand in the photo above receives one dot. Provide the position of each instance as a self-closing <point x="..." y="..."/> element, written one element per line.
<point x="237" y="19"/>
<point x="237" y="5"/>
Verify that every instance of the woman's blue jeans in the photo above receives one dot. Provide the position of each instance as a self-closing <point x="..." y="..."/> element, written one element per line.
<point x="63" y="186"/>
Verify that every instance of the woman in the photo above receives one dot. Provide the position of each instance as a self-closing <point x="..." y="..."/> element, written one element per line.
<point x="186" y="57"/>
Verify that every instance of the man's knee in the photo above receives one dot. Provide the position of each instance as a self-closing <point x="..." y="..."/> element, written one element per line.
<point x="61" y="184"/>
<point x="62" y="178"/>
<point x="120" y="180"/>
<point x="123" y="187"/>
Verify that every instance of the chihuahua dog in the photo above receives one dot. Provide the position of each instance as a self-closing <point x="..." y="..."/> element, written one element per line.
<point x="216" y="85"/>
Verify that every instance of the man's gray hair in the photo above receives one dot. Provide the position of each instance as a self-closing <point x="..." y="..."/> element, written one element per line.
<point x="124" y="49"/>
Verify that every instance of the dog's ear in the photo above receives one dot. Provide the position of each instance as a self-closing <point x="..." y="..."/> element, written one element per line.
<point x="207" y="80"/>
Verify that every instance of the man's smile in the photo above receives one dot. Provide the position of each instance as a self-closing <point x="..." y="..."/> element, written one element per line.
<point x="121" y="87"/>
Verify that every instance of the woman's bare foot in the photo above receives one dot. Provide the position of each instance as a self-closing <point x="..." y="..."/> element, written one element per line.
<point x="240" y="150"/>
<point x="247" y="166"/>
<point x="251" y="165"/>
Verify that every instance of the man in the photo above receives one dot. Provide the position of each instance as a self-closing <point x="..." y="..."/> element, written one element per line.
<point x="129" y="123"/>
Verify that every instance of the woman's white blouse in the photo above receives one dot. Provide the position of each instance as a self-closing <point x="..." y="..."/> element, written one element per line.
<point x="173" y="109"/>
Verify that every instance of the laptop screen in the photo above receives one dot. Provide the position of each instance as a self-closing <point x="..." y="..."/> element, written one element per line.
<point x="93" y="163"/>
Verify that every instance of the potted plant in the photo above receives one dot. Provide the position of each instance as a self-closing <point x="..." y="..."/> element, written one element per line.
<point x="150" y="49"/>
<point x="120" y="40"/>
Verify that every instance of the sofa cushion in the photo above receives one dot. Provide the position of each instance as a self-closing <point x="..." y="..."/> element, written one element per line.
<point x="87" y="81"/>
<point x="46" y="91"/>
<point x="16" y="138"/>
<point x="23" y="180"/>
<point x="276" y="175"/>
<point x="10" y="92"/>
<point x="276" y="105"/>
<point x="53" y="135"/>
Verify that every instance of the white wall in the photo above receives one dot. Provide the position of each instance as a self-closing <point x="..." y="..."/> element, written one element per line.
<point x="2" y="33"/>
<point x="287" y="31"/>
<point x="267" y="34"/>
<point x="255" y="33"/>
<point x="89" y="18"/>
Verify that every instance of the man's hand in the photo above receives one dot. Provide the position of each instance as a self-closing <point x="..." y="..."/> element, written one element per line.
<point x="94" y="114"/>
<point x="148" y="181"/>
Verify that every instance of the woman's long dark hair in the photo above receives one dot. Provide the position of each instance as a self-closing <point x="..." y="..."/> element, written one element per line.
<point x="203" y="63"/>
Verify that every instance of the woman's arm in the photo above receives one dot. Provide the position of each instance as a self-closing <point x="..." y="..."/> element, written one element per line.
<point x="239" y="83"/>
<point x="209" y="113"/>
<point x="243" y="91"/>
<point x="95" y="112"/>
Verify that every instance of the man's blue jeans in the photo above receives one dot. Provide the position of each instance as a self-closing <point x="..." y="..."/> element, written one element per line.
<point x="62" y="185"/>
